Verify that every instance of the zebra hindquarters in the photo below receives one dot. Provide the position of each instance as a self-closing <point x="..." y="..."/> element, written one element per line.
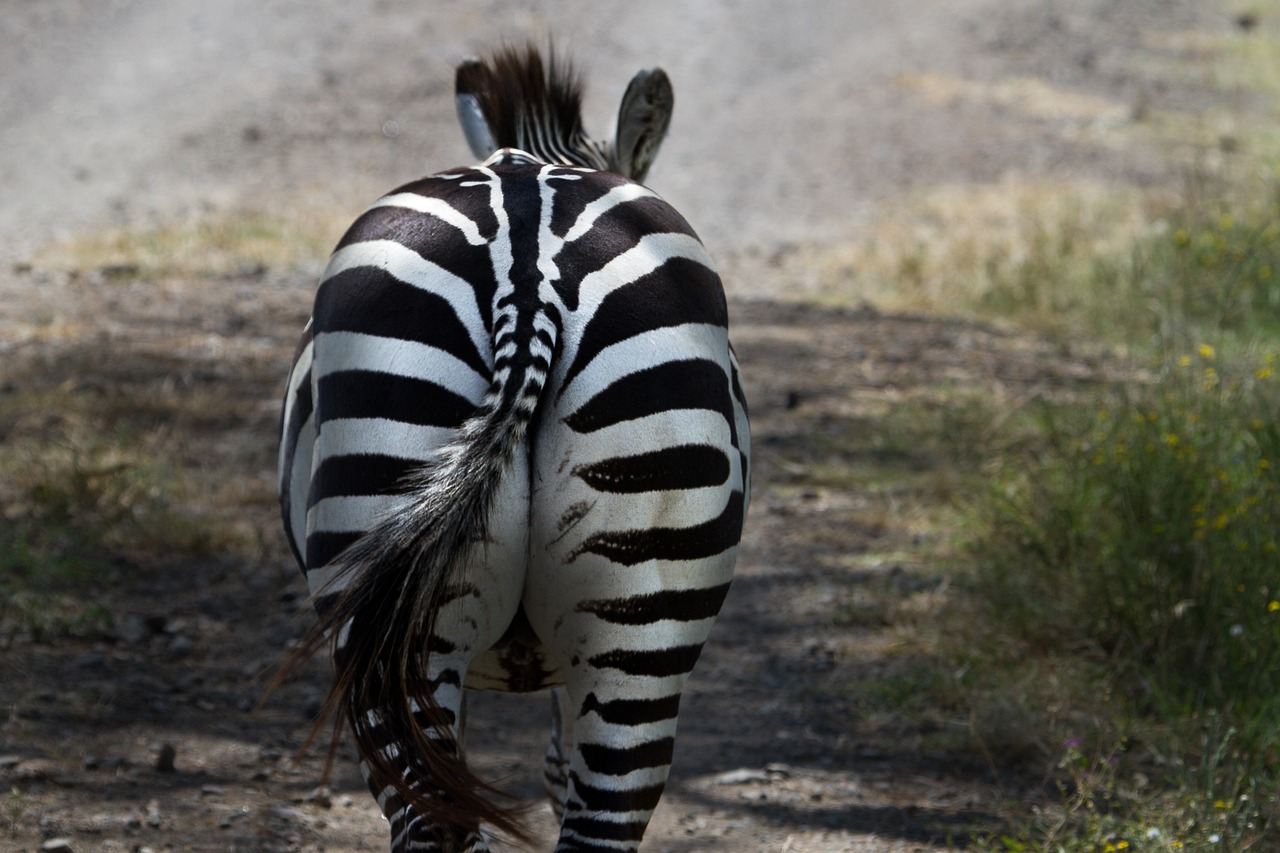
<point x="637" y="508"/>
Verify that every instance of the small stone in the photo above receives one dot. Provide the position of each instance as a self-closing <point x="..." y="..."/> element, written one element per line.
<point x="180" y="646"/>
<point x="320" y="797"/>
<point x="741" y="776"/>
<point x="57" y="845"/>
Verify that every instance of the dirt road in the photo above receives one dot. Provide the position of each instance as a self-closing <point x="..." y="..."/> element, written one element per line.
<point x="796" y="124"/>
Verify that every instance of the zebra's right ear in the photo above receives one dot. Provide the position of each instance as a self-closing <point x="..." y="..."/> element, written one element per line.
<point x="643" y="119"/>
<point x="472" y="78"/>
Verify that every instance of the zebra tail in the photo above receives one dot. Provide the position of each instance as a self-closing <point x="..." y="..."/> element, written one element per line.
<point x="398" y="576"/>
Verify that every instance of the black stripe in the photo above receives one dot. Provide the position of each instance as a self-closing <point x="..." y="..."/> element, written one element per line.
<point x="369" y="394"/>
<point x="586" y="845"/>
<point x="678" y="292"/>
<point x="302" y="406"/>
<point x="632" y="712"/>
<point x="685" y="605"/>
<point x="612" y="761"/>
<point x="522" y="201"/>
<point x="606" y="799"/>
<point x="323" y="547"/>
<point x="677" y="660"/>
<point x="572" y="197"/>
<point x="361" y="474"/>
<point x="629" y="547"/>
<point x="687" y="466"/>
<point x="605" y="830"/>
<point x="691" y="384"/>
<point x="370" y="300"/>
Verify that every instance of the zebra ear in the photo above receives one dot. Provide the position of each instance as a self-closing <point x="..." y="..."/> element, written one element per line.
<point x="471" y="77"/>
<point x="643" y="119"/>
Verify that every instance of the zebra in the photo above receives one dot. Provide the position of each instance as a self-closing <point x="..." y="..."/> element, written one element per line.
<point x="515" y="456"/>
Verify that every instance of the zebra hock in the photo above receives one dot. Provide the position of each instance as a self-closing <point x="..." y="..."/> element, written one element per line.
<point x="515" y="456"/>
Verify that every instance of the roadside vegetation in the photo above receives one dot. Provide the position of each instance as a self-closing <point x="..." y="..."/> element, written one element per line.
<point x="1111" y="632"/>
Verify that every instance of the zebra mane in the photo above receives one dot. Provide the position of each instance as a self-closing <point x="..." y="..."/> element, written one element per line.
<point x="526" y="101"/>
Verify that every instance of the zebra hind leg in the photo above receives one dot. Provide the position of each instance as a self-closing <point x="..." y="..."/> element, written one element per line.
<point x="618" y="767"/>
<point x="416" y="833"/>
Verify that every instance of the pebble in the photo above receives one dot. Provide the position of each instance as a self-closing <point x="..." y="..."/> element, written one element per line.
<point x="741" y="776"/>
<point x="180" y="646"/>
<point x="320" y="797"/>
<point x="57" y="845"/>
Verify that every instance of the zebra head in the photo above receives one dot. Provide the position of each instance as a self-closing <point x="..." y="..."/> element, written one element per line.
<point x="516" y="100"/>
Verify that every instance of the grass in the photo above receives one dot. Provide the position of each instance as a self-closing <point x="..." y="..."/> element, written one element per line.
<point x="126" y="445"/>
<point x="225" y="245"/>
<point x="1140" y="539"/>
<point x="82" y="502"/>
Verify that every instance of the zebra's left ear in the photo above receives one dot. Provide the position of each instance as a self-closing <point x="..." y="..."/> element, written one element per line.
<point x="643" y="119"/>
<point x="471" y="77"/>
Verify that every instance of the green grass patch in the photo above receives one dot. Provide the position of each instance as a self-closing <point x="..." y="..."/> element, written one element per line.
<point x="93" y="485"/>
<point x="1149" y="532"/>
<point x="1141" y="539"/>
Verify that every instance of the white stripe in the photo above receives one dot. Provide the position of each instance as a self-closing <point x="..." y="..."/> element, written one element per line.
<point x="648" y="434"/>
<point x="651" y="252"/>
<point x="350" y="436"/>
<point x="358" y="351"/>
<point x="642" y="351"/>
<point x="408" y="266"/>
<point x="439" y="208"/>
<point x="351" y="513"/>
<point x="593" y="211"/>
<point x="676" y="509"/>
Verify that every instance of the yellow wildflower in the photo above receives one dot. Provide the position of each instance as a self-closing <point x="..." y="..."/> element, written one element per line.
<point x="1206" y="351"/>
